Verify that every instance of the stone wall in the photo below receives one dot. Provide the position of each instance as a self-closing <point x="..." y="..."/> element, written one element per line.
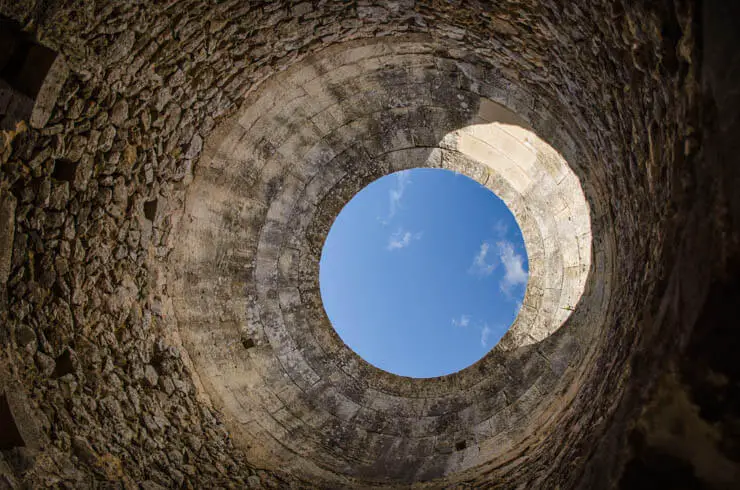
<point x="90" y="335"/>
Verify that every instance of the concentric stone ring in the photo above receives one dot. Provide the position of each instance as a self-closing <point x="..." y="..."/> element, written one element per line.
<point x="270" y="183"/>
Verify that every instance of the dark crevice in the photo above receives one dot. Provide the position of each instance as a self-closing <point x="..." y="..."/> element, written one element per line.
<point x="64" y="365"/>
<point x="37" y="261"/>
<point x="150" y="209"/>
<point x="64" y="170"/>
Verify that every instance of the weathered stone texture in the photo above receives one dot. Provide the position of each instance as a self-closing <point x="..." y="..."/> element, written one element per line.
<point x="104" y="177"/>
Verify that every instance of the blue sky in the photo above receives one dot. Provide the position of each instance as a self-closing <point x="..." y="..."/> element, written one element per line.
<point x="423" y="272"/>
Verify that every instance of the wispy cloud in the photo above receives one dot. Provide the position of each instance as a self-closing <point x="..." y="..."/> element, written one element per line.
<point x="463" y="321"/>
<point x="514" y="275"/>
<point x="402" y="239"/>
<point x="484" y="334"/>
<point x="500" y="228"/>
<point x="480" y="263"/>
<point x="403" y="179"/>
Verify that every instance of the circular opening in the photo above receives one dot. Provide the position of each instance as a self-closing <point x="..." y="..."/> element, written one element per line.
<point x="423" y="272"/>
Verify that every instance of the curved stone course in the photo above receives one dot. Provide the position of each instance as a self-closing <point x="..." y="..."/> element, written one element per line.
<point x="282" y="169"/>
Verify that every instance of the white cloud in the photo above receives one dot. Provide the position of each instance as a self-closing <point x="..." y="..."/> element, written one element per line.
<point x="402" y="239"/>
<point x="480" y="266"/>
<point x="500" y="228"/>
<point x="515" y="274"/>
<point x="484" y="334"/>
<point x="463" y="321"/>
<point x="403" y="179"/>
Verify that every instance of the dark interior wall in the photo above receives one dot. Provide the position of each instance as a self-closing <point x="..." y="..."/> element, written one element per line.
<point x="649" y="89"/>
<point x="687" y="434"/>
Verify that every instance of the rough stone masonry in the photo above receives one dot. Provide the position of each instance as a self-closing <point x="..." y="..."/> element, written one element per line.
<point x="171" y="169"/>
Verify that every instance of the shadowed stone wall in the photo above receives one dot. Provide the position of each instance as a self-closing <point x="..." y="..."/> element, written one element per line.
<point x="102" y="294"/>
